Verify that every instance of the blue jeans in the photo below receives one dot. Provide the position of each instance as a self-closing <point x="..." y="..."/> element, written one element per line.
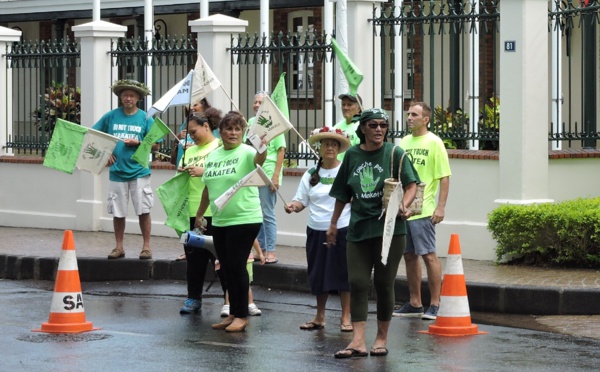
<point x="267" y="236"/>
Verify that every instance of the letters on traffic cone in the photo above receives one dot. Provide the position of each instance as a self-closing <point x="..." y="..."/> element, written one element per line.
<point x="67" y="314"/>
<point x="454" y="316"/>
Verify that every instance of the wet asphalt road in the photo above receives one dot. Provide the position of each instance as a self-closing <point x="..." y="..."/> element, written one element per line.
<point x="143" y="331"/>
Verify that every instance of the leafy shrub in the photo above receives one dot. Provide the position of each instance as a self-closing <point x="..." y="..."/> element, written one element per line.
<point x="448" y="124"/>
<point x="560" y="234"/>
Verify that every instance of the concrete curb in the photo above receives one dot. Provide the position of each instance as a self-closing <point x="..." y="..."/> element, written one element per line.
<point x="483" y="297"/>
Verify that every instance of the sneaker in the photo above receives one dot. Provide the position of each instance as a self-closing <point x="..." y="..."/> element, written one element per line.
<point x="191" y="305"/>
<point x="431" y="313"/>
<point x="409" y="311"/>
<point x="254" y="310"/>
<point x="225" y="311"/>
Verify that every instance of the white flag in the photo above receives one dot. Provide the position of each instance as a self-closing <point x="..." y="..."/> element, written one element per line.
<point x="179" y="95"/>
<point x="390" y="221"/>
<point x="257" y="177"/>
<point x="269" y="121"/>
<point x="205" y="80"/>
<point x="95" y="151"/>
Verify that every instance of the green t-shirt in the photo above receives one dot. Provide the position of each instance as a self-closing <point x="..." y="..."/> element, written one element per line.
<point x="123" y="126"/>
<point x="223" y="168"/>
<point x="196" y="156"/>
<point x="430" y="159"/>
<point x="271" y="160"/>
<point x="350" y="130"/>
<point x="361" y="179"/>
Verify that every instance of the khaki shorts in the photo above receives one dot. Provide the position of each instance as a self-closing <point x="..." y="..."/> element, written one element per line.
<point x="140" y="192"/>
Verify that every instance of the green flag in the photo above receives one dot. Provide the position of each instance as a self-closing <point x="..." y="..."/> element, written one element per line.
<point x="158" y="131"/>
<point x="279" y="97"/>
<point x="173" y="195"/>
<point x="65" y="146"/>
<point x="351" y="71"/>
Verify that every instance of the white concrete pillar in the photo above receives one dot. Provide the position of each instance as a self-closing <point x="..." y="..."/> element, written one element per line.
<point x="524" y="101"/>
<point x="362" y="47"/>
<point x="96" y="100"/>
<point x="7" y="35"/>
<point x="214" y="37"/>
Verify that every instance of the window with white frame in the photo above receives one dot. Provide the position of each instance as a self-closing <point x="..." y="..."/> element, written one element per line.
<point x="302" y="25"/>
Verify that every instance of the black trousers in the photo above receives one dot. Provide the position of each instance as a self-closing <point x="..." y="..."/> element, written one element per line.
<point x="197" y="262"/>
<point x="233" y="245"/>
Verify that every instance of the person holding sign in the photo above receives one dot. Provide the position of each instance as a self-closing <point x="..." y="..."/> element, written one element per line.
<point x="237" y="222"/>
<point x="127" y="177"/>
<point x="273" y="167"/>
<point x="361" y="180"/>
<point x="327" y="266"/>
<point x="183" y="138"/>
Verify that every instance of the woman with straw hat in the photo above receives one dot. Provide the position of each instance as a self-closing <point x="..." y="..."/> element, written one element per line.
<point x="327" y="267"/>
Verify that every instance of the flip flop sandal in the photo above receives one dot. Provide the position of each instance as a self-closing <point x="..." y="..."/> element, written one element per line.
<point x="346" y="328"/>
<point x="379" y="351"/>
<point x="312" y="326"/>
<point x="342" y="354"/>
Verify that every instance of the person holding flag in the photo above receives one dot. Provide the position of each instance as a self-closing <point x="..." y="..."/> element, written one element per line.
<point x="236" y="222"/>
<point x="183" y="137"/>
<point x="128" y="178"/>
<point x="200" y="129"/>
<point x="361" y="180"/>
<point x="273" y="167"/>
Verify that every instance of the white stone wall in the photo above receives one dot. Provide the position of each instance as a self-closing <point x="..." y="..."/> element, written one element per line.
<point x="32" y="195"/>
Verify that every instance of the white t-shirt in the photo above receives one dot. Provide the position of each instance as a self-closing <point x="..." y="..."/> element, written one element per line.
<point x="317" y="200"/>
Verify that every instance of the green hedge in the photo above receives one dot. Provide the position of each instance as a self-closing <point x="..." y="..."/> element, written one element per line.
<point x="560" y="234"/>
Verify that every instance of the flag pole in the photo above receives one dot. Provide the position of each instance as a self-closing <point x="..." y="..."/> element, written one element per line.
<point x="230" y="100"/>
<point x="187" y="127"/>
<point x="271" y="184"/>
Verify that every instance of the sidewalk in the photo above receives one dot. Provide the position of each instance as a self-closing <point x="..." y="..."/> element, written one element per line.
<point x="34" y="253"/>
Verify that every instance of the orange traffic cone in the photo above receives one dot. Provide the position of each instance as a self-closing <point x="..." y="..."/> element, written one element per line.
<point x="67" y="314"/>
<point x="454" y="316"/>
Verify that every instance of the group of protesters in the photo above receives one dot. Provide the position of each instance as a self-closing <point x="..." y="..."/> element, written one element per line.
<point x="343" y="194"/>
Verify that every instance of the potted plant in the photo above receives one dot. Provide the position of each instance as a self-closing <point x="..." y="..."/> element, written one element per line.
<point x="489" y="124"/>
<point x="59" y="102"/>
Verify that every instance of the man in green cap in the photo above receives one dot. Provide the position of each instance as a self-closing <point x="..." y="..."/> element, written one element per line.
<point x="351" y="106"/>
<point x="127" y="177"/>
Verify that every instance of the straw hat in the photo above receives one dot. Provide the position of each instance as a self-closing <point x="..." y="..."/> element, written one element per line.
<point x="121" y="85"/>
<point x="329" y="133"/>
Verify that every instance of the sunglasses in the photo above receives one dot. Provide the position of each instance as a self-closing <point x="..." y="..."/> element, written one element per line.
<point x="380" y="125"/>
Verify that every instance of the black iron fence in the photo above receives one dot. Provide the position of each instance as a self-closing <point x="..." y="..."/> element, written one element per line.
<point x="573" y="26"/>
<point x="302" y="57"/>
<point x="433" y="44"/>
<point x="437" y="66"/>
<point x="43" y="89"/>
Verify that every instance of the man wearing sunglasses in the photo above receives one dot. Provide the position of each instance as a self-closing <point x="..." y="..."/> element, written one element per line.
<point x="430" y="159"/>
